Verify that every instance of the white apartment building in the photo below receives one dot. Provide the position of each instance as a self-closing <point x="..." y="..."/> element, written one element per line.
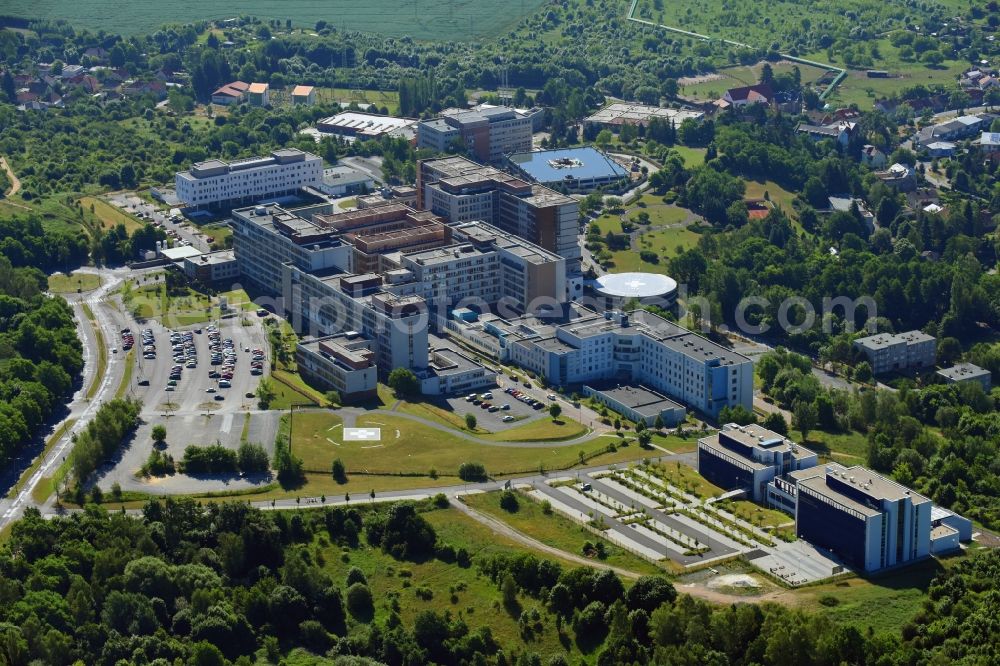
<point x="216" y="183"/>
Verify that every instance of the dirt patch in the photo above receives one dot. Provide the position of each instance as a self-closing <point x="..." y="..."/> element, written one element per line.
<point x="701" y="78"/>
<point x="734" y="581"/>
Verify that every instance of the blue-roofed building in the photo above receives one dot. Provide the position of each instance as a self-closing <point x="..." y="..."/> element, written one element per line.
<point x="571" y="169"/>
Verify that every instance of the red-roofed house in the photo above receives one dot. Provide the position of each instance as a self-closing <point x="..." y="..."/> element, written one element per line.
<point x="737" y="97"/>
<point x="231" y="93"/>
<point x="304" y="95"/>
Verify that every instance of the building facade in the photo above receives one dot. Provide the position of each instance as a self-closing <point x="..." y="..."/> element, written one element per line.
<point x="489" y="133"/>
<point x="890" y="352"/>
<point x="344" y="363"/>
<point x="215" y="183"/>
<point x="213" y="267"/>
<point x="460" y="190"/>
<point x="750" y="457"/>
<point x="574" y="346"/>
<point x="867" y="520"/>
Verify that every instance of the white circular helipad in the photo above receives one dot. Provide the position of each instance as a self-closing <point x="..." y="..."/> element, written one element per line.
<point x="635" y="285"/>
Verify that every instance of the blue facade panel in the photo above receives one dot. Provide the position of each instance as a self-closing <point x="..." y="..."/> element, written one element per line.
<point x="720" y="387"/>
<point x="723" y="473"/>
<point x="824" y="525"/>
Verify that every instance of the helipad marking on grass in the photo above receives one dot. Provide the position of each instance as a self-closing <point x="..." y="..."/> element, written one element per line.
<point x="398" y="434"/>
<point x="362" y="434"/>
<point x="339" y="425"/>
<point x="333" y="442"/>
<point x="374" y="446"/>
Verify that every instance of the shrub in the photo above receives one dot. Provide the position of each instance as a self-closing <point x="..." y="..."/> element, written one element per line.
<point x="214" y="459"/>
<point x="508" y="501"/>
<point x="472" y="471"/>
<point x="359" y="602"/>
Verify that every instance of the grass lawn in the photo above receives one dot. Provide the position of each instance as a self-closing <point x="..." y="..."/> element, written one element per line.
<point x="413" y="448"/>
<point x="541" y="430"/>
<point x="778" y="195"/>
<point x="555" y="530"/>
<point x="126" y="379"/>
<point x="676" y="443"/>
<point x="108" y="215"/>
<point x="152" y="302"/>
<point x="686" y="478"/>
<point x="428" y="410"/>
<point x="666" y="241"/>
<point x="60" y="283"/>
<point x="756" y="514"/>
<point x="380" y="98"/>
<point x="845" y="447"/>
<point x="692" y="156"/>
<point x="464" y="592"/>
<point x="660" y="214"/>
<point x="291" y="389"/>
<point x="897" y="596"/>
<point x="102" y="353"/>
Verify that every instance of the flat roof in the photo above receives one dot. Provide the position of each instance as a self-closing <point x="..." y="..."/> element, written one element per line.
<point x="961" y="371"/>
<point x="640" y="399"/>
<point x="863" y="481"/>
<point x="181" y="252"/>
<point x="220" y="257"/>
<point x="623" y="112"/>
<point x="551" y="166"/>
<point x="364" y="123"/>
<point x="635" y="285"/>
<point x="881" y="340"/>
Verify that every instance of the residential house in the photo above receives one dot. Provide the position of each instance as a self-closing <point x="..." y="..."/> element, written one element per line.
<point x="231" y="93"/>
<point x="304" y="95"/>
<point x="735" y="98"/>
<point x="900" y="177"/>
<point x="873" y="158"/>
<point x="840" y="132"/>
<point x="259" y="94"/>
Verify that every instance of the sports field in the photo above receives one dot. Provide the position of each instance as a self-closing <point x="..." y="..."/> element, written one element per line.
<point x="420" y="19"/>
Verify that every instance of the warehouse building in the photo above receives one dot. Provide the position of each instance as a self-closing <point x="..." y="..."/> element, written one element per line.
<point x="617" y="114"/>
<point x="363" y="126"/>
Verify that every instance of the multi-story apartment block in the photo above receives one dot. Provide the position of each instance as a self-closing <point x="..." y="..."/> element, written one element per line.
<point x="213" y="267"/>
<point x="967" y="372"/>
<point x="460" y="190"/>
<point x="888" y="352"/>
<point x="750" y="457"/>
<point x="575" y="346"/>
<point x="869" y="521"/>
<point x="215" y="183"/>
<point x="489" y="133"/>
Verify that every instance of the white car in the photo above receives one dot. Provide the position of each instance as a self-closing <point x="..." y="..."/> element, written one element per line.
<point x="508" y="418"/>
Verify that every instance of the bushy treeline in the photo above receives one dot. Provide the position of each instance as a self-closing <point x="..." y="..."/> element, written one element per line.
<point x="217" y="459"/>
<point x="226" y="583"/>
<point x="41" y="355"/>
<point x="103" y="437"/>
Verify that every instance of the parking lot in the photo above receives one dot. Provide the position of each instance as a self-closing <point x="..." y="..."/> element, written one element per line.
<point x="517" y="412"/>
<point x="164" y="390"/>
<point x="176" y="227"/>
<point x="184" y="430"/>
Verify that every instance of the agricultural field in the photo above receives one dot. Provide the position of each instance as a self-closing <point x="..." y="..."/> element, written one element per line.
<point x="430" y="19"/>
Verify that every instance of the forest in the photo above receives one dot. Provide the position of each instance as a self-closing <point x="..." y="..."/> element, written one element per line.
<point x="225" y="583"/>
<point x="40" y="355"/>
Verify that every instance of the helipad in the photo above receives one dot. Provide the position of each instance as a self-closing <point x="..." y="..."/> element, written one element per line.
<point x="362" y="434"/>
